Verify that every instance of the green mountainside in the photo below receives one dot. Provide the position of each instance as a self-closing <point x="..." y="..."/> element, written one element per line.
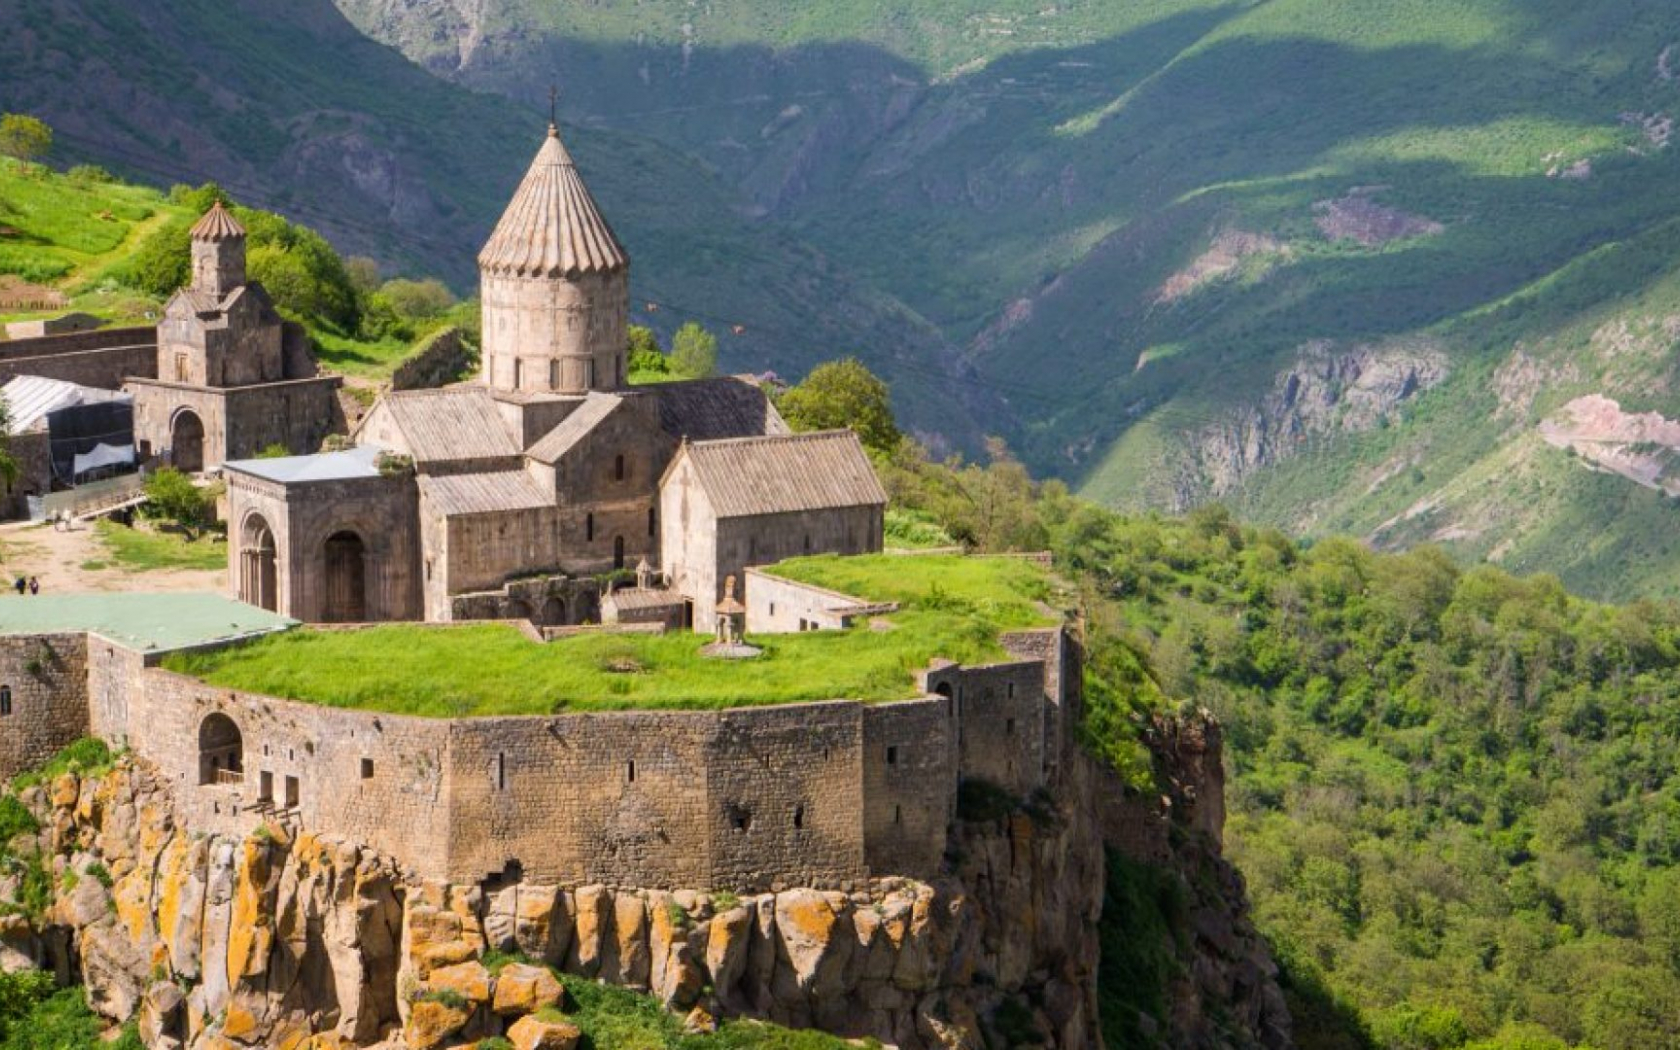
<point x="290" y="108"/>
<point x="1331" y="262"/>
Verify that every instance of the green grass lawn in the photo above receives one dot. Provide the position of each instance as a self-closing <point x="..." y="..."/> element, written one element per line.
<point x="952" y="607"/>
<point x="144" y="550"/>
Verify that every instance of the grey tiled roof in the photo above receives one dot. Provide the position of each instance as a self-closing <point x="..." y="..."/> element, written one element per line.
<point x="711" y="409"/>
<point x="586" y="417"/>
<point x="744" y="477"/>
<point x="501" y="490"/>
<point x="454" y="423"/>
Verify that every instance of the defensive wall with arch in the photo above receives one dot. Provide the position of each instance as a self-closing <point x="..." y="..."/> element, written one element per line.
<point x="752" y="798"/>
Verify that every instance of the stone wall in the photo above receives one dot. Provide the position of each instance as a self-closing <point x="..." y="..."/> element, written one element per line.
<point x="565" y="335"/>
<point x="547" y="601"/>
<point x="83" y="342"/>
<point x="777" y="605"/>
<point x="32" y="453"/>
<point x="749" y="798"/>
<point x="44" y="683"/>
<point x="440" y="359"/>
<point x="103" y="368"/>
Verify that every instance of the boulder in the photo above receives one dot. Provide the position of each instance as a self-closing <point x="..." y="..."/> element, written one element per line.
<point x="469" y="980"/>
<point x="431" y="1024"/>
<point x="162" y="1013"/>
<point x="533" y="1033"/>
<point x="523" y="989"/>
<point x="813" y="940"/>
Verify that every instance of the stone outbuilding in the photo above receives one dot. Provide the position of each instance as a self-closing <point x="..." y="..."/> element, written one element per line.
<point x="232" y="378"/>
<point x="727" y="505"/>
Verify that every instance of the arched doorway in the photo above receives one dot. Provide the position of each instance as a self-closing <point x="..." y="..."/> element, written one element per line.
<point x="221" y="750"/>
<point x="346" y="572"/>
<point x="554" y="613"/>
<point x="518" y="609"/>
<point x="186" y="441"/>
<point x="258" y="579"/>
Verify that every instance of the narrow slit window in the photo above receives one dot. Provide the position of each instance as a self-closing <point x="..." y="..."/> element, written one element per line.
<point x="898" y="814"/>
<point x="892" y="755"/>
<point x="630" y="772"/>
<point x="501" y="771"/>
<point x="5" y="700"/>
<point x="653" y="522"/>
<point x="589" y="527"/>
<point x="798" y="817"/>
<point x="618" y="468"/>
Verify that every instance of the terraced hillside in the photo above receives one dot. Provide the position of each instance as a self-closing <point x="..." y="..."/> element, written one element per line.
<point x="1340" y="263"/>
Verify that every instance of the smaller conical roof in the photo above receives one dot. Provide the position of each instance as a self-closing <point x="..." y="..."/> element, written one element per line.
<point x="218" y="224"/>
<point x="552" y="227"/>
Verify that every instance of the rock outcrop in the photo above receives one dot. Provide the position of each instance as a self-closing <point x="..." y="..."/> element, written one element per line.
<point x="282" y="937"/>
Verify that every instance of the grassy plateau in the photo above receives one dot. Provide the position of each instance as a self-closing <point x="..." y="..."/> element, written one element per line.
<point x="951" y="607"/>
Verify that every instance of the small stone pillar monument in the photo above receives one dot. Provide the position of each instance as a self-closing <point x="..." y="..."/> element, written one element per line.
<point x="644" y="575"/>
<point x="731" y="616"/>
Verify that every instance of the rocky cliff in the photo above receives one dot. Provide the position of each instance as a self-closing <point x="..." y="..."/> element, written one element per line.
<point x="286" y="939"/>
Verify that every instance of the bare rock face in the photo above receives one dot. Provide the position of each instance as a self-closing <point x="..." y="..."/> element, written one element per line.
<point x="1328" y="390"/>
<point x="286" y="939"/>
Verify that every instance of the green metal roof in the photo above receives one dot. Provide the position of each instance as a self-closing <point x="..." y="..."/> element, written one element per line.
<point x="138" y="620"/>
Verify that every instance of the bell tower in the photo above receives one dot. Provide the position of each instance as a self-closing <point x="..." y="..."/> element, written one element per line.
<point x="555" y="286"/>
<point x="218" y="253"/>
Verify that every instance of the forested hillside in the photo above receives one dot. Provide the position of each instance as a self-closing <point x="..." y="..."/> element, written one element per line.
<point x="1454" y="793"/>
<point x="1348" y="266"/>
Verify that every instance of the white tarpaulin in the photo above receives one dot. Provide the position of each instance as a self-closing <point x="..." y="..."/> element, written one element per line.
<point x="104" y="455"/>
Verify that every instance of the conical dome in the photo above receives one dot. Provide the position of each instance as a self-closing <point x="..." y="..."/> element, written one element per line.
<point x="218" y="224"/>
<point x="552" y="227"/>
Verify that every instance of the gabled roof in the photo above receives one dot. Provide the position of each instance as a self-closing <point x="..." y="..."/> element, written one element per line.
<point x="744" y="477"/>
<point x="453" y="423"/>
<point x="362" y="461"/>
<point x="713" y="409"/>
<point x="218" y="224"/>
<point x="30" y="399"/>
<point x="585" y="418"/>
<point x="552" y="227"/>
<point x="501" y="490"/>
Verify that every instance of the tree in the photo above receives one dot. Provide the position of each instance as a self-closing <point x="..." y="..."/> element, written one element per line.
<point x="24" y="137"/>
<point x="694" y="352"/>
<point x="418" y="300"/>
<point x="364" y="273"/>
<point x="844" y="394"/>
<point x="644" y="352"/>
<point x="171" y="495"/>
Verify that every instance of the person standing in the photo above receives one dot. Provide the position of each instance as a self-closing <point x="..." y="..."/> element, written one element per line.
<point x="20" y="585"/>
<point x="34" y="585"/>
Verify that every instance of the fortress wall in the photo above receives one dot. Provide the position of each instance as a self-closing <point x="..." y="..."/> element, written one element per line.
<point x="784" y="786"/>
<point x="909" y="794"/>
<point x="1000" y="725"/>
<point x="559" y="796"/>
<point x="398" y="805"/>
<point x="47" y="676"/>
<point x="113" y="673"/>
<point x="103" y="368"/>
<point x="1053" y="648"/>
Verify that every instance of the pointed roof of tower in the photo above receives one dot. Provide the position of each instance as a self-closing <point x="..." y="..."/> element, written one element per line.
<point x="552" y="227"/>
<point x="218" y="224"/>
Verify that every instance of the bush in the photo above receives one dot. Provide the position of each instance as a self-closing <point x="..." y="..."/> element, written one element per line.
<point x="89" y="174"/>
<point x="171" y="495"/>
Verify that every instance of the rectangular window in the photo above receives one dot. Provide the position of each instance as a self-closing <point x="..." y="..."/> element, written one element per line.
<point x="1009" y="726"/>
<point x="892" y="756"/>
<point x="630" y="772"/>
<point x="265" y="786"/>
<point x="291" y="792"/>
<point x="367" y="769"/>
<point x="5" y="700"/>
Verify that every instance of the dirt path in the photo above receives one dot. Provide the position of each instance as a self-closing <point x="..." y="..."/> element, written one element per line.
<point x="77" y="561"/>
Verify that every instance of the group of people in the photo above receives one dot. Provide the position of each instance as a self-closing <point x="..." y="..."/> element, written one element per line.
<point x="29" y="586"/>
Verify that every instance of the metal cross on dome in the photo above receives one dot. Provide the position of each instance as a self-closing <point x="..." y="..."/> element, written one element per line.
<point x="553" y="100"/>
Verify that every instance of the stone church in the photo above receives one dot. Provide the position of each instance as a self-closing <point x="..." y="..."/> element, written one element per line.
<point x="528" y="492"/>
<point x="232" y="378"/>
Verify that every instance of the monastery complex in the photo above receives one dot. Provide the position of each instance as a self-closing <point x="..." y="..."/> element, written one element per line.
<point x="550" y="494"/>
